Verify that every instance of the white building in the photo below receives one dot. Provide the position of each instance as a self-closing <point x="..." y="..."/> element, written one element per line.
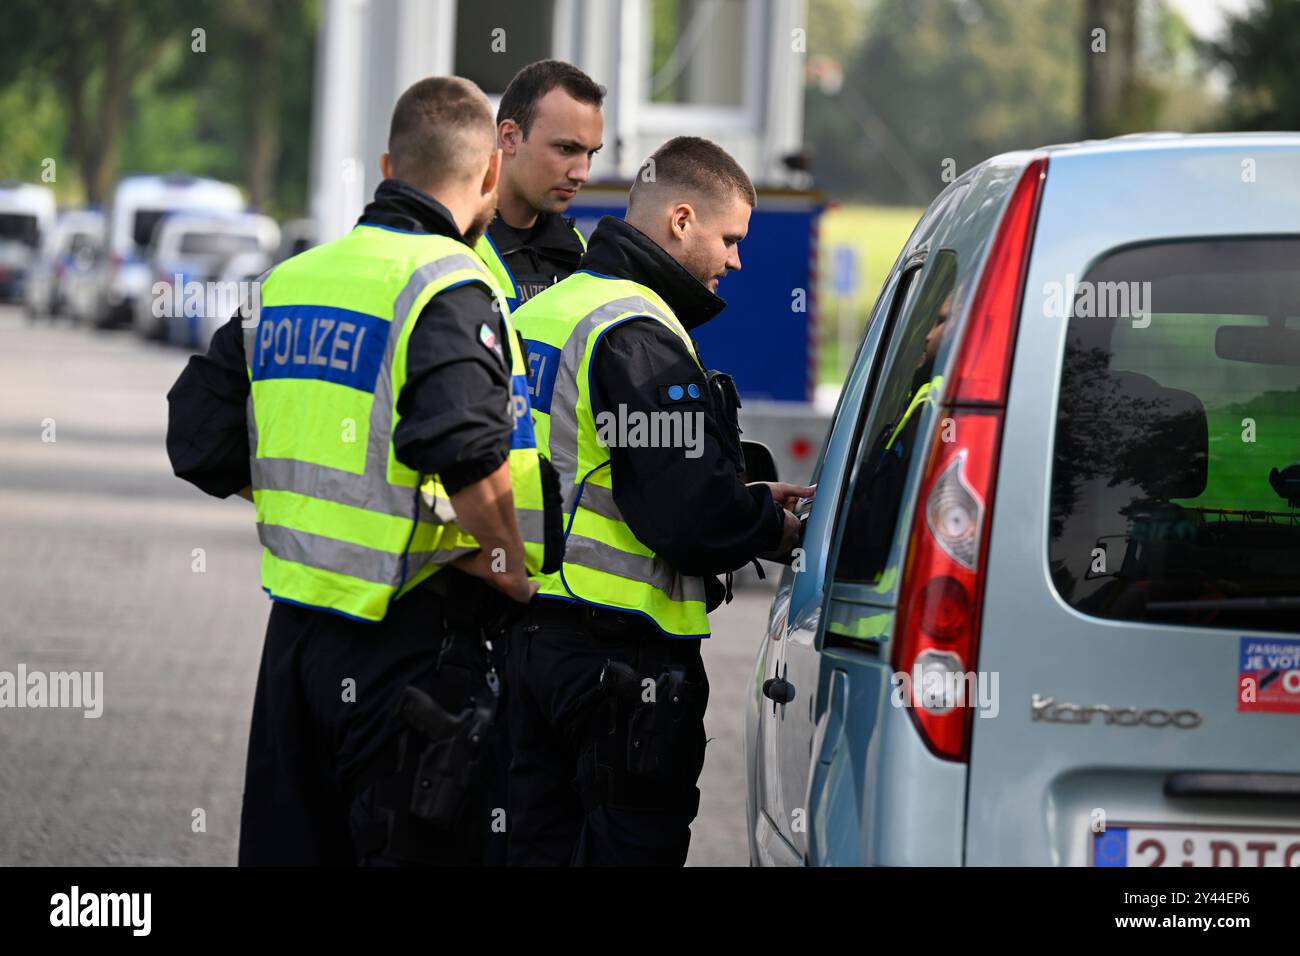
<point x="731" y="70"/>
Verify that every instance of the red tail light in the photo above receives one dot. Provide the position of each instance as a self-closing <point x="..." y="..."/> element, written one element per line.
<point x="942" y="591"/>
<point x="983" y="366"/>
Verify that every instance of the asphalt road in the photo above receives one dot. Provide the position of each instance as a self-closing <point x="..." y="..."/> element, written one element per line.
<point x="110" y="564"/>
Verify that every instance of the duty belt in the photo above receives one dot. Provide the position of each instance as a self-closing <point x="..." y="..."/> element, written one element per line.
<point x="588" y="618"/>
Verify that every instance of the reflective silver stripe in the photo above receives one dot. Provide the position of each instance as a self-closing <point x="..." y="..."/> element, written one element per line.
<point x="532" y="524"/>
<point x="251" y="420"/>
<point x="564" y="400"/>
<point x="371" y="491"/>
<point x="434" y="509"/>
<point x="600" y="499"/>
<point x="249" y="325"/>
<point x="381" y="412"/>
<point x="415" y="560"/>
<point x="344" y="557"/>
<point x="656" y="572"/>
<point x="334" y="484"/>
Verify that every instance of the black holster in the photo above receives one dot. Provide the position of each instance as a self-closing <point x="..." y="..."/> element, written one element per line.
<point x="454" y="747"/>
<point x="649" y="735"/>
<point x="553" y="516"/>
<point x="638" y="737"/>
<point x="725" y="398"/>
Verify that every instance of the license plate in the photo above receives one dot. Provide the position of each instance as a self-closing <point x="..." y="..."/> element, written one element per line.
<point x="1155" y="845"/>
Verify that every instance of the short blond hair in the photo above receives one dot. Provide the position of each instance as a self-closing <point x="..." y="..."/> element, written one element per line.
<point x="692" y="164"/>
<point x="442" y="131"/>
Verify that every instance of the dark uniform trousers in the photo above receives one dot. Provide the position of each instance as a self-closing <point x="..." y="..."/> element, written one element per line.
<point x="607" y="734"/>
<point x="332" y="766"/>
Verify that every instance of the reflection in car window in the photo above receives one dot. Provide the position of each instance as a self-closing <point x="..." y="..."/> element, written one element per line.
<point x="1176" y="472"/>
<point x="904" y="400"/>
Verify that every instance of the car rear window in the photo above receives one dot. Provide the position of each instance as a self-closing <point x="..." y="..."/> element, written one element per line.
<point x="1176" y="466"/>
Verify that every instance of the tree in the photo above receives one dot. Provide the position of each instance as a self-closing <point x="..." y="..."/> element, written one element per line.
<point x="1109" y="64"/>
<point x="253" y="87"/>
<point x="268" y="35"/>
<point x="133" y="85"/>
<point x="1261" y="49"/>
<point x="91" y="51"/>
<point x="938" y="85"/>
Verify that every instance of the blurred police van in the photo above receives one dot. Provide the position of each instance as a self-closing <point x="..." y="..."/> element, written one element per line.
<point x="27" y="215"/>
<point x="139" y="203"/>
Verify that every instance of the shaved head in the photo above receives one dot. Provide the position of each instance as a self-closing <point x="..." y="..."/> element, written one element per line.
<point x="694" y="201"/>
<point x="690" y="168"/>
<point x="443" y="133"/>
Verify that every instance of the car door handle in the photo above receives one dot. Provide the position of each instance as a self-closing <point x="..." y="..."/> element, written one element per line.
<point x="1277" y="786"/>
<point x="778" y="691"/>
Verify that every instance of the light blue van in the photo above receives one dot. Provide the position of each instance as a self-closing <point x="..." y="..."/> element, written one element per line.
<point x="1047" y="610"/>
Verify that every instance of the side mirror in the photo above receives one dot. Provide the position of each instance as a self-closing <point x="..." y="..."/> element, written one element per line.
<point x="759" y="463"/>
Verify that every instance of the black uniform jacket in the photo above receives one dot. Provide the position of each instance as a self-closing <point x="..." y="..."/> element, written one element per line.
<point x="454" y="416"/>
<point x="688" y="505"/>
<point x="538" y="257"/>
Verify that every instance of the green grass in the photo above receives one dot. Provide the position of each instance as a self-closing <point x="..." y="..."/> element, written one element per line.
<point x="878" y="234"/>
<point x="1178" y="351"/>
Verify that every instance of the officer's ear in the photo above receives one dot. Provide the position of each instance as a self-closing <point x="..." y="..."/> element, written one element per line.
<point x="493" y="174"/>
<point x="509" y="136"/>
<point x="680" y="217"/>
<point x="386" y="165"/>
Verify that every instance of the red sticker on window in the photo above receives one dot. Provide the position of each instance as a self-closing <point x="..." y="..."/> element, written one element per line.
<point x="1268" y="675"/>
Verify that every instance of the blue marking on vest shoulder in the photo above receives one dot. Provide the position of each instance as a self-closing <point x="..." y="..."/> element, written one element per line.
<point x="320" y="342"/>
<point x="523" y="435"/>
<point x="543" y="366"/>
<point x="675" y="392"/>
<point x="693" y="390"/>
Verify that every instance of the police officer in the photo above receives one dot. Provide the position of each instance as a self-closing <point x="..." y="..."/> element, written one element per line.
<point x="608" y="686"/>
<point x="549" y="127"/>
<point x="373" y="406"/>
